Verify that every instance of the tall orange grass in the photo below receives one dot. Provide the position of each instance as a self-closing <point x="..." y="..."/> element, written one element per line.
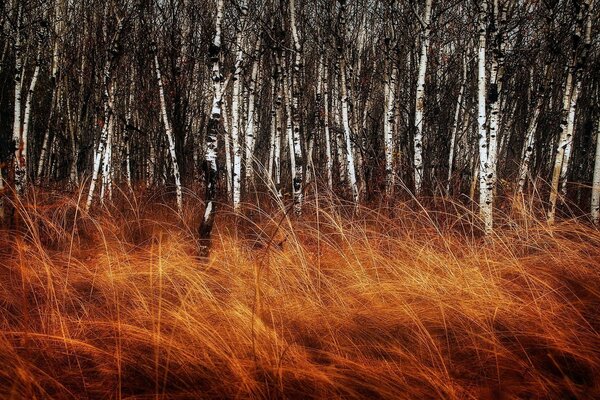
<point x="404" y="302"/>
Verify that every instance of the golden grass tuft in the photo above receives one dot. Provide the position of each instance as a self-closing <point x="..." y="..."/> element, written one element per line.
<point x="398" y="303"/>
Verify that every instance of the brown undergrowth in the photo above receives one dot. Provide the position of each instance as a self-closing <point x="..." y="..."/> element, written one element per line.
<point x="405" y="302"/>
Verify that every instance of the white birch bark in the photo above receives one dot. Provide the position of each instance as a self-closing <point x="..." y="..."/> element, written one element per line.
<point x="278" y="135"/>
<point x="127" y="138"/>
<point x="347" y="138"/>
<point x="170" y="137"/>
<point x="20" y="164"/>
<point x="210" y="153"/>
<point x="58" y="31"/>
<point x="569" y="143"/>
<point x="297" y="148"/>
<point x="485" y="188"/>
<point x="251" y="120"/>
<point x="328" y="159"/>
<point x="272" y="131"/>
<point x="454" y="129"/>
<point x="595" y="205"/>
<point x="571" y="90"/>
<point x="420" y="98"/>
<point x="388" y="125"/>
<point x="108" y="98"/>
<point x="26" y="123"/>
<point x="494" y="97"/>
<point x="227" y="144"/>
<point x="107" y="171"/>
<point x="348" y="148"/>
<point x="235" y="116"/>
<point x="528" y="146"/>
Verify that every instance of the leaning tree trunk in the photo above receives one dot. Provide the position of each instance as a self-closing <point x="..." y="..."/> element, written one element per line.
<point x="170" y="137"/>
<point x="529" y="143"/>
<point x="27" y="121"/>
<point x="571" y="90"/>
<point x="108" y="99"/>
<point x="454" y="130"/>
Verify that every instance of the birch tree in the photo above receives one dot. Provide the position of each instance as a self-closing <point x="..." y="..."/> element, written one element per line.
<point x="420" y="98"/>
<point x="210" y="150"/>
<point x="297" y="178"/>
<point x="485" y="181"/>
<point x="595" y="206"/>
<point x="345" y="109"/>
<point x="20" y="161"/>
<point x="571" y="90"/>
<point x="170" y="137"/>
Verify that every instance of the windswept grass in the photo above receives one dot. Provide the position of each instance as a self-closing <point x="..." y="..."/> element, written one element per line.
<point x="398" y="303"/>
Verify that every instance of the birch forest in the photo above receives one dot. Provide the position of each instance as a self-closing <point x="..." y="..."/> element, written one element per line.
<point x="300" y="199"/>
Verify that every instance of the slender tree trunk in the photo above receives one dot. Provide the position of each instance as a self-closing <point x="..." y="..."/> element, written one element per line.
<point x="108" y="98"/>
<point x="350" y="168"/>
<point x="420" y="99"/>
<point x="107" y="167"/>
<point x="170" y="137"/>
<point x="297" y="179"/>
<point x="27" y="122"/>
<point x="250" y="120"/>
<point x="571" y="90"/>
<point x="227" y="144"/>
<point x="388" y="124"/>
<point x="210" y="168"/>
<point x="328" y="159"/>
<point x="494" y="97"/>
<point x="595" y="206"/>
<point x="20" y="164"/>
<point x="454" y="130"/>
<point x="235" y="116"/>
<point x="529" y="143"/>
<point x="485" y="186"/>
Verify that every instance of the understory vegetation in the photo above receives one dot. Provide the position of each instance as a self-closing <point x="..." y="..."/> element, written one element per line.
<point x="399" y="301"/>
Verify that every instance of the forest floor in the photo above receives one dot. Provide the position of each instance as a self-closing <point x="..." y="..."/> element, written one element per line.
<point x="403" y="302"/>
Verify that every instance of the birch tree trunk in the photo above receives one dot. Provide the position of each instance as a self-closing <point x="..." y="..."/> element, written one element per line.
<point x="529" y="143"/>
<point x="595" y="206"/>
<point x="58" y="31"/>
<point x="485" y="187"/>
<point x="454" y="130"/>
<point x="107" y="171"/>
<point x="20" y="162"/>
<point x="235" y="114"/>
<point x="210" y="151"/>
<point x="350" y="168"/>
<point x="227" y="144"/>
<point x="420" y="98"/>
<point x="297" y="147"/>
<point x="170" y="137"/>
<point x="26" y="123"/>
<point x="108" y="99"/>
<point x="571" y="90"/>
<point x="250" y="120"/>
<point x="326" y="127"/>
<point x="495" y="98"/>
<point x="388" y="123"/>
